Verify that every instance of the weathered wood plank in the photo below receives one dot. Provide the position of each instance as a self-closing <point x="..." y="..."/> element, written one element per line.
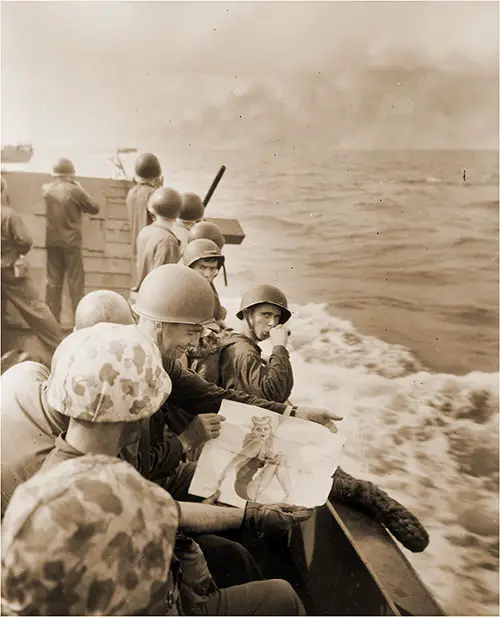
<point x="118" y="231"/>
<point x="118" y="249"/>
<point x="110" y="263"/>
<point x="106" y="237"/>
<point x="117" y="211"/>
<point x="107" y="280"/>
<point x="25" y="190"/>
<point x="106" y="264"/>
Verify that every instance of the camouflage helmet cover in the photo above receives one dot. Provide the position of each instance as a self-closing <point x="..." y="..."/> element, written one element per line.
<point x="89" y="536"/>
<point x="108" y="373"/>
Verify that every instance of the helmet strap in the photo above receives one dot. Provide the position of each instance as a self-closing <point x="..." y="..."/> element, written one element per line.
<point x="159" y="333"/>
<point x="246" y="315"/>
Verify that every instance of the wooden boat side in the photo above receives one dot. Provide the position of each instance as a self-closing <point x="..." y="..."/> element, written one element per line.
<point x="350" y="565"/>
<point x="106" y="237"/>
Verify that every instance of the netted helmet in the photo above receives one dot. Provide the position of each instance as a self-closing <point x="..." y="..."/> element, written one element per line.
<point x="89" y="536"/>
<point x="108" y="373"/>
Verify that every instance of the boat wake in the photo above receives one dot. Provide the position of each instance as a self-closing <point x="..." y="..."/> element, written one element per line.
<point x="430" y="439"/>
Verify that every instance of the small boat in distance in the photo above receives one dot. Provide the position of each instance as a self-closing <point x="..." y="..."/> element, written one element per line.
<point x="21" y="153"/>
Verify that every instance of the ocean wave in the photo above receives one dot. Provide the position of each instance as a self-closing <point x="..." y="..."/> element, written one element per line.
<point x="430" y="439"/>
<point x="427" y="180"/>
<point x="487" y="181"/>
<point x="466" y="240"/>
<point x="489" y="204"/>
<point x="475" y="315"/>
<point x="269" y="221"/>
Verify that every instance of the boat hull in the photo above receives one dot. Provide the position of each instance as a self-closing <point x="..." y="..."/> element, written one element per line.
<point x="350" y="565"/>
<point x="107" y="256"/>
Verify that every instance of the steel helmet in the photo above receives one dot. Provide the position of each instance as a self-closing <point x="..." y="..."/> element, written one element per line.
<point x="165" y="202"/>
<point x="202" y="249"/>
<point x="207" y="230"/>
<point x="192" y="208"/>
<point x="63" y="167"/>
<point x="147" y="166"/>
<point x="108" y="373"/>
<point x="265" y="294"/>
<point x="174" y="293"/>
<point x="63" y="536"/>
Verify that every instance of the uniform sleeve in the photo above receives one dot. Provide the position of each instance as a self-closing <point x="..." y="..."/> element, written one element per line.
<point x="195" y="395"/>
<point x="163" y="455"/>
<point x="164" y="458"/>
<point x="20" y="234"/>
<point x="166" y="252"/>
<point x="84" y="201"/>
<point x="272" y="381"/>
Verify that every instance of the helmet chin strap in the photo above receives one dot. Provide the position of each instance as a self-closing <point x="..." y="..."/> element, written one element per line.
<point x="159" y="334"/>
<point x="246" y="314"/>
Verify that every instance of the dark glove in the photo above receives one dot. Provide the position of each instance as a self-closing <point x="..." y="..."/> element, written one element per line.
<point x="274" y="518"/>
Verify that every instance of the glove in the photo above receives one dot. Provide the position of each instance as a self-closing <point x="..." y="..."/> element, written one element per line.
<point x="275" y="518"/>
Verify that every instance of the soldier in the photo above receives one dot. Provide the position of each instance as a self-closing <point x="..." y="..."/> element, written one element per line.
<point x="208" y="231"/>
<point x="109" y="379"/>
<point x="264" y="314"/>
<point x="149" y="178"/>
<point x="65" y="201"/>
<point x="75" y="542"/>
<point x="29" y="424"/>
<point x="103" y="306"/>
<point x="205" y="257"/>
<point x="173" y="304"/>
<point x="192" y="211"/>
<point x="157" y="243"/>
<point x="17" y="285"/>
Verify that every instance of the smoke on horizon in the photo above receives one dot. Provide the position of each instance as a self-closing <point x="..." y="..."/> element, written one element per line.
<point x="113" y="73"/>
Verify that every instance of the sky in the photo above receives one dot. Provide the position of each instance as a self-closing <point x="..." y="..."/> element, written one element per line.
<point x="102" y="73"/>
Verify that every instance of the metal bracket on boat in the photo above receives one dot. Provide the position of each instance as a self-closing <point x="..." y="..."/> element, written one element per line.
<point x="118" y="163"/>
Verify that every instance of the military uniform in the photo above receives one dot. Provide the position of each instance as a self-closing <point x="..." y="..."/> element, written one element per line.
<point x="89" y="537"/>
<point x="156" y="246"/>
<point x="65" y="200"/>
<point x="29" y="425"/>
<point x="242" y="368"/>
<point x="182" y="232"/>
<point x="21" y="291"/>
<point x="113" y="373"/>
<point x="138" y="213"/>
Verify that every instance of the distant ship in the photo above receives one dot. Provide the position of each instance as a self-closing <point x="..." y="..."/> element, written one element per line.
<point x="22" y="153"/>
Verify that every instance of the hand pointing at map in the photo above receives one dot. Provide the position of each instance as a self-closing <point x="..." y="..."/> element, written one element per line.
<point x="320" y="416"/>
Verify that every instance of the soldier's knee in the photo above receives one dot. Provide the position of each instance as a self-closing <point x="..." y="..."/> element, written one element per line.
<point x="286" y="600"/>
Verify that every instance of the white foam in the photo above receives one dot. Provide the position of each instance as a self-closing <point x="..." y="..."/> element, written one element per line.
<point x="430" y="439"/>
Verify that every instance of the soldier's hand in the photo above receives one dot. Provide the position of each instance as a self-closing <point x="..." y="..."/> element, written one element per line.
<point x="274" y="518"/>
<point x="321" y="416"/>
<point x="279" y="335"/>
<point x="204" y="427"/>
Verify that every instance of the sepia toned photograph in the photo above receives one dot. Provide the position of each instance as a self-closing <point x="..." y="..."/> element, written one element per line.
<point x="249" y="307"/>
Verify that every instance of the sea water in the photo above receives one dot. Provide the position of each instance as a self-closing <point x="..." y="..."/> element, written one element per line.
<point x="390" y="262"/>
